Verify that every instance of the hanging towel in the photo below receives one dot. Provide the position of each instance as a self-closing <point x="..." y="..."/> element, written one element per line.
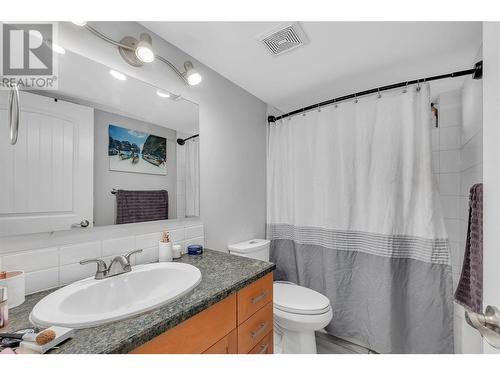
<point x="133" y="206"/>
<point x="469" y="292"/>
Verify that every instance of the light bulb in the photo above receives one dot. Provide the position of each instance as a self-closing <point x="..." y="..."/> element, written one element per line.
<point x="144" y="49"/>
<point x="194" y="78"/>
<point x="191" y="74"/>
<point x="145" y="54"/>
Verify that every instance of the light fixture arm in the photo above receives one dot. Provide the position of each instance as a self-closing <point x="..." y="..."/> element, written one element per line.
<point x="174" y="68"/>
<point x="107" y="39"/>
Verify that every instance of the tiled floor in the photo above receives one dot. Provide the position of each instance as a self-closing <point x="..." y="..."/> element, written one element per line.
<point x="328" y="344"/>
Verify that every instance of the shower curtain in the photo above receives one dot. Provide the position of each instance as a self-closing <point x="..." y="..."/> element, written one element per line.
<point x="192" y="177"/>
<point x="353" y="213"/>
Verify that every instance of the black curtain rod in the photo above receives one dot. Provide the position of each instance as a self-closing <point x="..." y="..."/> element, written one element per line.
<point x="477" y="73"/>
<point x="181" y="141"/>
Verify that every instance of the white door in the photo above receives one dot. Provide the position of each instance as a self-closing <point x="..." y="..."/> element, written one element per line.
<point x="46" y="179"/>
<point x="491" y="159"/>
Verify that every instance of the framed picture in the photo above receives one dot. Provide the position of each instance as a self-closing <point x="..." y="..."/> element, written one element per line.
<point x="134" y="151"/>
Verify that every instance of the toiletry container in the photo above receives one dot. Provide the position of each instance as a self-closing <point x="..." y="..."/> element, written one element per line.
<point x="165" y="251"/>
<point x="195" y="250"/>
<point x="14" y="281"/>
<point x="177" y="251"/>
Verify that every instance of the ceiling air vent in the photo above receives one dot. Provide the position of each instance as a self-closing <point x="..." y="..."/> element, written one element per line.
<point x="283" y="38"/>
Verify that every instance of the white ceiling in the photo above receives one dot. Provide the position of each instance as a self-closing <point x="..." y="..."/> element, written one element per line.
<point x="87" y="82"/>
<point x="340" y="58"/>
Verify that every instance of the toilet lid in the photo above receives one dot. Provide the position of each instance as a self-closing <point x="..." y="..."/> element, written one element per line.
<point x="299" y="300"/>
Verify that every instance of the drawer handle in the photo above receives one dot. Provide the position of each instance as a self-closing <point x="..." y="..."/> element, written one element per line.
<point x="263" y="348"/>
<point x="261" y="329"/>
<point x="260" y="297"/>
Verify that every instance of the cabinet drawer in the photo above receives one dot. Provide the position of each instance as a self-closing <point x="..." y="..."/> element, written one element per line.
<point x="265" y="346"/>
<point x="254" y="296"/>
<point x="255" y="328"/>
<point x="196" y="334"/>
<point x="227" y="345"/>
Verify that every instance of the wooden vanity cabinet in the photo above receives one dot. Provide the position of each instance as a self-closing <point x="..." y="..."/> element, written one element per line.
<point x="241" y="323"/>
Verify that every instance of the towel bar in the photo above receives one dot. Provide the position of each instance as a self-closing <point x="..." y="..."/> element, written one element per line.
<point x="14" y="114"/>
<point x="488" y="324"/>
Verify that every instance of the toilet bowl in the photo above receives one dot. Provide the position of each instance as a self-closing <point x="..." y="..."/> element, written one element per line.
<point x="298" y="311"/>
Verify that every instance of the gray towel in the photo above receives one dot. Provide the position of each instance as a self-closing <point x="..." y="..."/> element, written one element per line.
<point x="133" y="206"/>
<point x="469" y="292"/>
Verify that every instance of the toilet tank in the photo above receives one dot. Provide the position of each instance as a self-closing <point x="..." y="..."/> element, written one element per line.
<point x="256" y="249"/>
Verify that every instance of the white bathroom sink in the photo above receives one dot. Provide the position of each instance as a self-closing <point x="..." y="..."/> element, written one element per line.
<point x="89" y="302"/>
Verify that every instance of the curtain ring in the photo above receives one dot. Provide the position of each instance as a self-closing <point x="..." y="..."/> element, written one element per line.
<point x="378" y="90"/>
<point x="355" y="98"/>
<point x="303" y="112"/>
<point x="335" y="102"/>
<point x="418" y="85"/>
<point x="406" y="88"/>
<point x="319" y="108"/>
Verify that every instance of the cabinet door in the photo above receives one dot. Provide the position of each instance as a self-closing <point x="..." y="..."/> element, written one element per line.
<point x="46" y="179"/>
<point x="265" y="346"/>
<point x="197" y="334"/>
<point x="227" y="345"/>
<point x="255" y="328"/>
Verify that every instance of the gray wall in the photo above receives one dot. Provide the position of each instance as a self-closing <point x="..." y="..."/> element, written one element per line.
<point x="232" y="132"/>
<point x="106" y="180"/>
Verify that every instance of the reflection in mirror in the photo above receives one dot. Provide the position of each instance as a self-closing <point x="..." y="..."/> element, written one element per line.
<point x="102" y="149"/>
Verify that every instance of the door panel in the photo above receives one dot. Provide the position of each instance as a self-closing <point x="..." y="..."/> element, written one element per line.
<point x="46" y="179"/>
<point x="491" y="156"/>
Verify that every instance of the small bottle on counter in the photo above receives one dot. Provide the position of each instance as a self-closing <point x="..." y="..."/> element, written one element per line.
<point x="4" y="309"/>
<point x="177" y="251"/>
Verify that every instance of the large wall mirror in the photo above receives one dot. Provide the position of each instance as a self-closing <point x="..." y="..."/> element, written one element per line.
<point x="102" y="149"/>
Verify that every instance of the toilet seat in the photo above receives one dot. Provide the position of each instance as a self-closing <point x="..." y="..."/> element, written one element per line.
<point x="295" y="299"/>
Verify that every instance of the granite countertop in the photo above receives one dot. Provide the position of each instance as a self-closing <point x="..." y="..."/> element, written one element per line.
<point x="222" y="275"/>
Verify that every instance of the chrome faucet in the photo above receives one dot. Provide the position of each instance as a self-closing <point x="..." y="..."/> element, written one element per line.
<point x="104" y="271"/>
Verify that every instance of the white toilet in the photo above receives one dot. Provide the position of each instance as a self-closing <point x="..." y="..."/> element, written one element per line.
<point x="298" y="311"/>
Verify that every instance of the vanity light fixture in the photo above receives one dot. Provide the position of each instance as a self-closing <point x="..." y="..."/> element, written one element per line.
<point x="79" y="23"/>
<point x="163" y="94"/>
<point x="136" y="52"/>
<point x="118" y="75"/>
<point x="144" y="49"/>
<point x="191" y="74"/>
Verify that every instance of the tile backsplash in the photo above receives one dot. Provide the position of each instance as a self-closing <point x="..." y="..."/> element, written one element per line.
<point x="56" y="265"/>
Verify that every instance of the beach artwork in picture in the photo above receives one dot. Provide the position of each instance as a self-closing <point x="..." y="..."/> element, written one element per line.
<point x="134" y="151"/>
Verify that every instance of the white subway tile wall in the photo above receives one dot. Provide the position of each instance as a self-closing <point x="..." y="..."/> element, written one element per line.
<point x="50" y="267"/>
<point x="117" y="246"/>
<point x="30" y="261"/>
<point x="75" y="253"/>
<point x="457" y="151"/>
